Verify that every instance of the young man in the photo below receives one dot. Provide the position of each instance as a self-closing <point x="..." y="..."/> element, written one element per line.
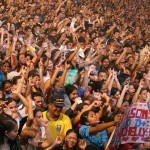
<point x="59" y="123"/>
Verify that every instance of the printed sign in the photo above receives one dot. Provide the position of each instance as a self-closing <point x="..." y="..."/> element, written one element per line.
<point x="70" y="76"/>
<point x="133" y="126"/>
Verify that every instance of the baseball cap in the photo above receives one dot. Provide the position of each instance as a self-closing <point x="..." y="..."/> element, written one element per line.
<point x="57" y="100"/>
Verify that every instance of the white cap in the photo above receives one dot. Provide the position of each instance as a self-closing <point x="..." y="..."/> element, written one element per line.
<point x="12" y="74"/>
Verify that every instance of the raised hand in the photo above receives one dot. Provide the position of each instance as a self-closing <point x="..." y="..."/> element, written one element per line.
<point x="117" y="118"/>
<point x="59" y="140"/>
<point x="82" y="144"/>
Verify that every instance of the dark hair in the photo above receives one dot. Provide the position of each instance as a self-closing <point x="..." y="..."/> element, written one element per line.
<point x="7" y="123"/>
<point x="35" y="94"/>
<point x="122" y="77"/>
<point x="70" y="131"/>
<point x="83" y="118"/>
<point x="80" y="106"/>
<point x="5" y="82"/>
<point x="20" y="55"/>
<point x="35" y="111"/>
<point x="105" y="57"/>
<point x="15" y="79"/>
<point x="9" y="100"/>
<point x="113" y="91"/>
<point x="69" y="89"/>
<point x="81" y="40"/>
<point x="6" y="62"/>
<point x="96" y="85"/>
<point x="33" y="73"/>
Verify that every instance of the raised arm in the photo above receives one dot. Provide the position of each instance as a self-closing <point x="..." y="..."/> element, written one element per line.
<point x="62" y="79"/>
<point x="30" y="112"/>
<point x="104" y="126"/>
<point x="49" y="83"/>
<point x="120" y="101"/>
<point x="135" y="97"/>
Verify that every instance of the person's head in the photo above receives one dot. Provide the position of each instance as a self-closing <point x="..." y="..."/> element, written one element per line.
<point x="6" y="85"/>
<point x="55" y="105"/>
<point x="12" y="105"/>
<point x="5" y="67"/>
<point x="30" y="22"/>
<point x="71" y="139"/>
<point x="38" y="99"/>
<point x="50" y="65"/>
<point x="102" y="76"/>
<point x="37" y="113"/>
<point x="21" y="59"/>
<point x="8" y="128"/>
<point x="124" y="78"/>
<point x="71" y="92"/>
<point x="15" y="81"/>
<point x="89" y="118"/>
<point x="37" y="81"/>
<point x="93" y="70"/>
<point x="28" y="136"/>
<point x="81" y="106"/>
<point x="105" y="62"/>
<point x="53" y="33"/>
<point x="36" y="19"/>
<point x="34" y="75"/>
<point x="125" y="106"/>
<point x="131" y="60"/>
<point x="131" y="89"/>
<point x="143" y="94"/>
<point x="115" y="93"/>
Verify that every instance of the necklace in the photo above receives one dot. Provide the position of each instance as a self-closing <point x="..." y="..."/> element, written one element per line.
<point x="49" y="118"/>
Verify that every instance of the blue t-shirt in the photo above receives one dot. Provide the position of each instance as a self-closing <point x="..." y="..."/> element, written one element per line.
<point x="91" y="138"/>
<point x="2" y="77"/>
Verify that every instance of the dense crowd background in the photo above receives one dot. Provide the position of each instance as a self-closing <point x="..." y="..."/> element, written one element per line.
<point x="105" y="47"/>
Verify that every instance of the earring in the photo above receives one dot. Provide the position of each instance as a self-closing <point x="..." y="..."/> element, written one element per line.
<point x="29" y="141"/>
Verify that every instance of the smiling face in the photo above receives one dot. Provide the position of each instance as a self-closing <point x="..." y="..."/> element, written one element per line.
<point x="22" y="59"/>
<point x="5" y="67"/>
<point x="7" y="88"/>
<point x="131" y="89"/>
<point x="54" y="110"/>
<point x="38" y="101"/>
<point x="105" y="63"/>
<point x="73" y="95"/>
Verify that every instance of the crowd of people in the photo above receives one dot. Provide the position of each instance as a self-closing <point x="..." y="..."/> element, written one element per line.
<point x="69" y="69"/>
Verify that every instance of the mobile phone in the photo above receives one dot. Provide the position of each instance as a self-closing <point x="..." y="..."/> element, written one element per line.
<point x="79" y="100"/>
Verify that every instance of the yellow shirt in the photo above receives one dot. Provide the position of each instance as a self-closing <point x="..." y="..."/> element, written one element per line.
<point x="60" y="126"/>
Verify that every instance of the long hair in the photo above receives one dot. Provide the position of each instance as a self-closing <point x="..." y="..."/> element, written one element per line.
<point x="7" y="123"/>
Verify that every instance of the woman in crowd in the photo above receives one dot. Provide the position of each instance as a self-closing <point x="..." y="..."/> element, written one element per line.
<point x="8" y="133"/>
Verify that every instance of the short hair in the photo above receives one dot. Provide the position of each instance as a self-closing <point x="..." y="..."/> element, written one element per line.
<point x="33" y="73"/>
<point x="35" y="94"/>
<point x="26" y="134"/>
<point x="105" y="57"/>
